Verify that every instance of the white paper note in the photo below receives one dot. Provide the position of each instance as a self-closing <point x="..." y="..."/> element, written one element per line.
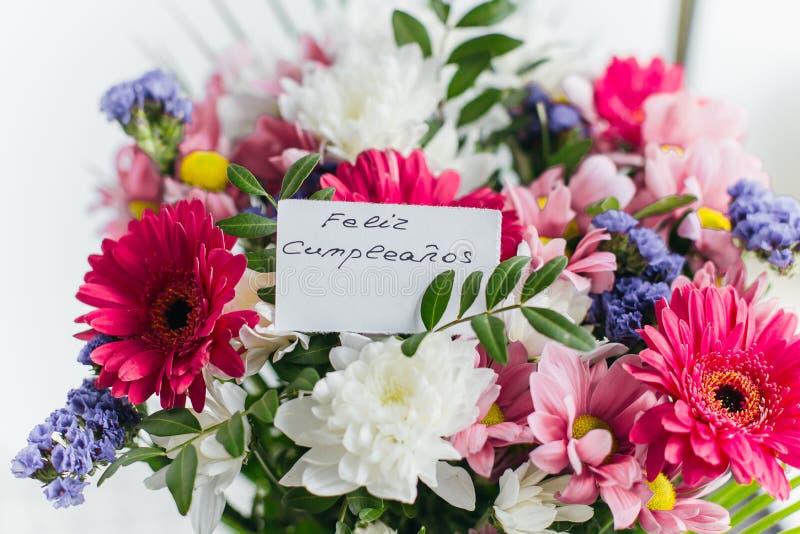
<point x="359" y="267"/>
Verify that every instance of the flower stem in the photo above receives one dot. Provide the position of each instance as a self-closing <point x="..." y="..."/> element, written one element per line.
<point x="470" y="317"/>
<point x="270" y="475"/>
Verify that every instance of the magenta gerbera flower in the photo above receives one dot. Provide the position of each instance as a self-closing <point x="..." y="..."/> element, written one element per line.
<point x="387" y="177"/>
<point x="734" y="387"/>
<point x="161" y="289"/>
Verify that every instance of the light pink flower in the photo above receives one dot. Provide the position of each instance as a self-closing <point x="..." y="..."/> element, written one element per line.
<point x="598" y="178"/>
<point x="674" y="510"/>
<point x="545" y="203"/>
<point x="504" y="410"/>
<point x="735" y="388"/>
<point x="271" y="149"/>
<point x="681" y="118"/>
<point x="220" y="204"/>
<point x="582" y="417"/>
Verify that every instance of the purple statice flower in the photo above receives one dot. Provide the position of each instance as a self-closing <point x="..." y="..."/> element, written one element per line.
<point x="118" y="101"/>
<point x="561" y="117"/>
<point x="627" y="307"/>
<point x="615" y="221"/>
<point x="155" y="86"/>
<point x="27" y="462"/>
<point x="764" y="222"/>
<point x="98" y="340"/>
<point x="88" y="429"/>
<point x="42" y="436"/>
<point x="64" y="492"/>
<point x="662" y="265"/>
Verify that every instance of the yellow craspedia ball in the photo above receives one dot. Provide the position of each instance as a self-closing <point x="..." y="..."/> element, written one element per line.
<point x="205" y="169"/>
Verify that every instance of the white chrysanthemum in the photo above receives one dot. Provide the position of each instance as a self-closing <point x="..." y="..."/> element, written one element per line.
<point x="216" y="469"/>
<point x="366" y="99"/>
<point x="375" y="528"/>
<point x="381" y="420"/>
<point x="561" y="296"/>
<point x="527" y="504"/>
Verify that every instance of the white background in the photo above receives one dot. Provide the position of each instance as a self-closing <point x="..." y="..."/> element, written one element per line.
<point x="58" y="57"/>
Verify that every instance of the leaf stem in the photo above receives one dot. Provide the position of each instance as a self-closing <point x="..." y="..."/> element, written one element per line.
<point x="270" y="475"/>
<point x="470" y="317"/>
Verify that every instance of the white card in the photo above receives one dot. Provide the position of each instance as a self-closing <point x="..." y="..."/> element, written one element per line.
<point x="359" y="267"/>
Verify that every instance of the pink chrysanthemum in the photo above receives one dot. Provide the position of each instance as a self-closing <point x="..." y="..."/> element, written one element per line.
<point x="387" y="177"/>
<point x="504" y="409"/>
<point x="620" y="93"/>
<point x="735" y="388"/>
<point x="161" y="289"/>
<point x="582" y="416"/>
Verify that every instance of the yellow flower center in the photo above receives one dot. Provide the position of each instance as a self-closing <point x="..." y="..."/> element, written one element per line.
<point x="674" y="148"/>
<point x="205" y="169"/>
<point x="713" y="219"/>
<point x="494" y="416"/>
<point x="394" y="393"/>
<point x="138" y="207"/>
<point x="586" y="423"/>
<point x="542" y="201"/>
<point x="663" y="494"/>
<point x="572" y="230"/>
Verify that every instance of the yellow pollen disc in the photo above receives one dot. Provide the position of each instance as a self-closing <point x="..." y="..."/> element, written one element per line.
<point x="586" y="423"/>
<point x="663" y="494"/>
<point x="394" y="393"/>
<point x="542" y="201"/>
<point x="545" y="240"/>
<point x="674" y="148"/>
<point x="713" y="219"/>
<point x="205" y="169"/>
<point x="494" y="416"/>
<point x="137" y="208"/>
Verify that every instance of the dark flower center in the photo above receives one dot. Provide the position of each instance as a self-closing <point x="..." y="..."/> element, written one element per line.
<point x="730" y="398"/>
<point x="177" y="314"/>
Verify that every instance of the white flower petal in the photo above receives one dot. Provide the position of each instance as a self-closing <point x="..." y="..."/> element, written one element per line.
<point x="454" y="486"/>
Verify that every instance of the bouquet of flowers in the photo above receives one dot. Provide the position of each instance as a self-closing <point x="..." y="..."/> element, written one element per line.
<point x="622" y="367"/>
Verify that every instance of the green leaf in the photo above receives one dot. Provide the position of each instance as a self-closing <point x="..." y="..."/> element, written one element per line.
<point x="476" y="108"/>
<point x="491" y="332"/>
<point x="317" y="353"/>
<point x="570" y="155"/>
<point x="231" y="435"/>
<point x="539" y="280"/>
<point x="370" y="514"/>
<point x="244" y="180"/>
<point x="755" y="505"/>
<point x="360" y="500"/>
<point x="304" y="381"/>
<point x="533" y="65"/>
<point x="664" y="205"/>
<point x="301" y="499"/>
<point x="434" y="125"/>
<point x="174" y="422"/>
<point x="436" y="298"/>
<point x="764" y="524"/>
<point x="441" y="9"/>
<point x="422" y="530"/>
<point x="503" y="280"/>
<point x="180" y="478"/>
<point x="555" y="326"/>
<point x="264" y="409"/>
<point x="602" y="206"/>
<point x="469" y="292"/>
<point x="323" y="194"/>
<point x="248" y="224"/>
<point x="409" y="510"/>
<point x="487" y="14"/>
<point x="411" y="344"/>
<point x="262" y="261"/>
<point x="297" y="174"/>
<point x="407" y="30"/>
<point x="341" y="528"/>
<point x="468" y="71"/>
<point x="493" y="44"/>
<point x="139" y="454"/>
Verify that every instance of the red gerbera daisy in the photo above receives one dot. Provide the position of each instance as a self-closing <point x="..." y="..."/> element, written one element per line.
<point x="734" y="390"/>
<point x="161" y="289"/>
<point x="386" y="177"/>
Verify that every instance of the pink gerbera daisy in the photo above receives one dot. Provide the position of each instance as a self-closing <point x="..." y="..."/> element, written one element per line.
<point x="387" y="177"/>
<point x="161" y="289"/>
<point x="582" y="416"/>
<point x="504" y="409"/>
<point x="735" y="387"/>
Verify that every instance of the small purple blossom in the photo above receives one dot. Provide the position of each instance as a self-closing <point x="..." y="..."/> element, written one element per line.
<point x="27" y="462"/>
<point x="765" y="223"/>
<point x="64" y="492"/>
<point x="615" y="221"/>
<point x="42" y="436"/>
<point x="154" y="86"/>
<point x="98" y="340"/>
<point x="561" y="117"/>
<point x="627" y="308"/>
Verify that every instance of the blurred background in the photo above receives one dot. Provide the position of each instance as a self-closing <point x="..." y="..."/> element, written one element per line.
<point x="55" y="147"/>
